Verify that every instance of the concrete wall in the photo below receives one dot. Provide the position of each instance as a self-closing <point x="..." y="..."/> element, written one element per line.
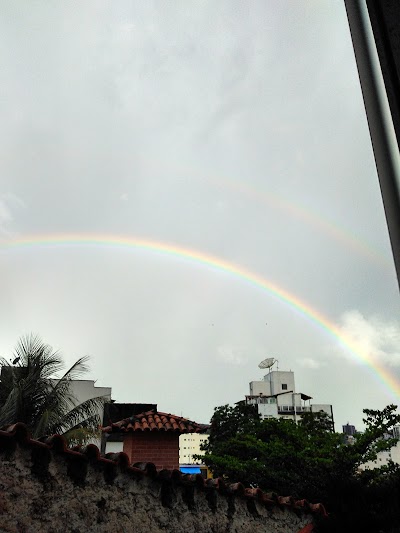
<point x="85" y="389"/>
<point x="50" y="490"/>
<point x="259" y="387"/>
<point x="277" y="378"/>
<point x="316" y="407"/>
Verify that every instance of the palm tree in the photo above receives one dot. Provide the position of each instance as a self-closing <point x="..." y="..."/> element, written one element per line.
<point x="31" y="392"/>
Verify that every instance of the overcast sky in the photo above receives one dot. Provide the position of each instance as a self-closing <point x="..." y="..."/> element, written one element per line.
<point x="235" y="129"/>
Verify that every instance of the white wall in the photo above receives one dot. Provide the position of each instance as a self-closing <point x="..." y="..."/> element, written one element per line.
<point x="114" y="447"/>
<point x="278" y="378"/>
<point x="260" y="387"/>
<point x="267" y="410"/>
<point x="316" y="407"/>
<point x="189" y="445"/>
<point x="384" y="457"/>
<point x="84" y="389"/>
<point x="287" y="399"/>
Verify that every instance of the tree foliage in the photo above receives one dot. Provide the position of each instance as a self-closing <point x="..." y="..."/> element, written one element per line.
<point x="308" y="460"/>
<point x="31" y="392"/>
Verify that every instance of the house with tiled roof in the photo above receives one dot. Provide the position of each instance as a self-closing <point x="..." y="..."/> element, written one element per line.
<point x="189" y="443"/>
<point x="152" y="436"/>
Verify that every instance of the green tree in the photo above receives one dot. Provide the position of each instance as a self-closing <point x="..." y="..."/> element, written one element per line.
<point x="309" y="460"/>
<point x="274" y="454"/>
<point x="31" y="392"/>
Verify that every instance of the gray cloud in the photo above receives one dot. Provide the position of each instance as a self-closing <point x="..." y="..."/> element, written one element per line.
<point x="376" y="338"/>
<point x="235" y="129"/>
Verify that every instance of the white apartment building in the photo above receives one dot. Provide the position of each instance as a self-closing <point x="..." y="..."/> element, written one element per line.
<point x="383" y="458"/>
<point x="276" y="397"/>
<point x="189" y="445"/>
<point x="85" y="389"/>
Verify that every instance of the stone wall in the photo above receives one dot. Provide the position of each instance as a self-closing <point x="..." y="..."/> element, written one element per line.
<point x="45" y="487"/>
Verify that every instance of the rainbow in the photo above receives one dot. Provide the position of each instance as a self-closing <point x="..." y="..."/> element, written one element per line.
<point x="313" y="219"/>
<point x="218" y="264"/>
<point x="273" y="200"/>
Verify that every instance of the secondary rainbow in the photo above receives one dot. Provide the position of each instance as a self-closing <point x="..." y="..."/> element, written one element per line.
<point x="201" y="258"/>
<point x="272" y="200"/>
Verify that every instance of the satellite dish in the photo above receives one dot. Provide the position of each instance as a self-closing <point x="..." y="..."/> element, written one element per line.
<point x="267" y="363"/>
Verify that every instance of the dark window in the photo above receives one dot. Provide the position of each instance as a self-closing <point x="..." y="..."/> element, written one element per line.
<point x="284" y="386"/>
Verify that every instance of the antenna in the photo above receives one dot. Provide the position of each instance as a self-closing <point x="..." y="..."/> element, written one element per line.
<point x="267" y="363"/>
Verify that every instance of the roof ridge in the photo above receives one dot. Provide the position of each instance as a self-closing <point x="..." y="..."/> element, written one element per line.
<point x="154" y="420"/>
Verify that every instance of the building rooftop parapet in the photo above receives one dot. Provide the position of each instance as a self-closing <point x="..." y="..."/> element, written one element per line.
<point x="302" y="395"/>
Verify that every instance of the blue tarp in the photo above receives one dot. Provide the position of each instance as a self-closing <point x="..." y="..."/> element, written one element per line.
<point x="190" y="470"/>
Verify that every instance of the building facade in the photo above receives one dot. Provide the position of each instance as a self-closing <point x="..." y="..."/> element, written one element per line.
<point x="383" y="458"/>
<point x="189" y="446"/>
<point x="85" y="389"/>
<point x="276" y="397"/>
<point x="349" y="430"/>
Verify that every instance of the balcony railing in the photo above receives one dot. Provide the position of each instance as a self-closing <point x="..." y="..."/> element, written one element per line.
<point x="291" y="408"/>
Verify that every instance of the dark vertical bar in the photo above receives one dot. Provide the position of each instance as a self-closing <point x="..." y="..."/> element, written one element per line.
<point x="377" y="127"/>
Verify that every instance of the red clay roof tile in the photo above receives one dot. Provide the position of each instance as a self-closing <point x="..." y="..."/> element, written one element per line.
<point x="155" y="421"/>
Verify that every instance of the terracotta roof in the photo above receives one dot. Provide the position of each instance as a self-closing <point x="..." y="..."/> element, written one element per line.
<point x="113" y="463"/>
<point x="155" y="421"/>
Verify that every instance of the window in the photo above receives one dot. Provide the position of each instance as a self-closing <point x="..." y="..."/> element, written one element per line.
<point x="284" y="386"/>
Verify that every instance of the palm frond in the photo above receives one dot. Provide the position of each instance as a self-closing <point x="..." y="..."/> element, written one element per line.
<point x="31" y="392"/>
<point x="9" y="408"/>
<point x="80" y="436"/>
<point x="86" y="414"/>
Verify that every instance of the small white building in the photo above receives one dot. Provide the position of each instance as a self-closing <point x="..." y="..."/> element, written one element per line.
<point x="276" y="397"/>
<point x="85" y="389"/>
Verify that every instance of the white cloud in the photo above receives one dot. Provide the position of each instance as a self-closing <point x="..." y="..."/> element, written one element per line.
<point x="5" y="213"/>
<point x="232" y="355"/>
<point x="308" y="362"/>
<point x="9" y="202"/>
<point x="378" y="339"/>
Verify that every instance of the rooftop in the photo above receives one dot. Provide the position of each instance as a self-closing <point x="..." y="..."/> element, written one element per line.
<point x="154" y="420"/>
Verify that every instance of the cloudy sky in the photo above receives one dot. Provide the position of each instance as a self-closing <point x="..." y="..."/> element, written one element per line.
<point x="232" y="130"/>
